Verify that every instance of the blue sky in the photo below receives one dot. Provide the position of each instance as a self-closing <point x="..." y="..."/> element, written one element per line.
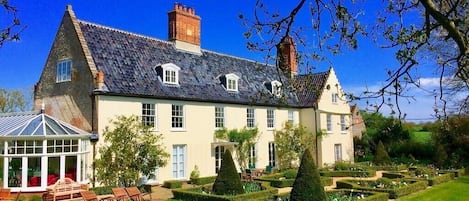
<point x="21" y="62"/>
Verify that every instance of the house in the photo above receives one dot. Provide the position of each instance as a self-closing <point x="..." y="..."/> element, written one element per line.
<point x="358" y="124"/>
<point x="38" y="149"/>
<point x="94" y="73"/>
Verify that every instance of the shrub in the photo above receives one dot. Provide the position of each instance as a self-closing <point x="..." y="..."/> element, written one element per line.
<point x="195" y="174"/>
<point x="172" y="184"/>
<point x="440" y="156"/>
<point x="197" y="194"/>
<point x="228" y="181"/>
<point x="381" y="155"/>
<point x="103" y="190"/>
<point x="35" y="198"/>
<point x="414" y="186"/>
<point x="342" y="166"/>
<point x="204" y="180"/>
<point x="307" y="185"/>
<point x="440" y="179"/>
<point x="362" y="173"/>
<point x="290" y="174"/>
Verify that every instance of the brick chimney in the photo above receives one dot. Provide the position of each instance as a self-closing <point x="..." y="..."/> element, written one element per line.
<point x="100" y="80"/>
<point x="184" y="28"/>
<point x="286" y="55"/>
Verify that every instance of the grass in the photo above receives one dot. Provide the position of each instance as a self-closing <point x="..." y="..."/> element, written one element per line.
<point x="421" y="137"/>
<point x="455" y="190"/>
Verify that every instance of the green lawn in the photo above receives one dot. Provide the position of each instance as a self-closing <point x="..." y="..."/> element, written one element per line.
<point x="421" y="136"/>
<point x="455" y="190"/>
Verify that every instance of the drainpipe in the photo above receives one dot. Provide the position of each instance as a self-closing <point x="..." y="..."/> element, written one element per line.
<point x="316" y="136"/>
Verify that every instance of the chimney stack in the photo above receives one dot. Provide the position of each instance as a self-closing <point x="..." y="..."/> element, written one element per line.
<point x="100" y="80"/>
<point x="286" y="55"/>
<point x="184" y="28"/>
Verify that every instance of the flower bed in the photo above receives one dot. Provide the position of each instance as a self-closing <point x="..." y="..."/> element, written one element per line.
<point x="348" y="173"/>
<point x="344" y="195"/>
<point x="430" y="174"/>
<point x="457" y="172"/>
<point x="395" y="188"/>
<point x="203" y="193"/>
<point x="280" y="181"/>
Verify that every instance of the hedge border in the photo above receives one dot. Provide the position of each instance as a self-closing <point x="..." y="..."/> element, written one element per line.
<point x="203" y="180"/>
<point x="457" y="172"/>
<point x="172" y="184"/>
<point x="189" y="194"/>
<point x="441" y="179"/>
<point x="282" y="183"/>
<point x="389" y="167"/>
<point x="393" y="193"/>
<point x="375" y="196"/>
<point x="343" y="173"/>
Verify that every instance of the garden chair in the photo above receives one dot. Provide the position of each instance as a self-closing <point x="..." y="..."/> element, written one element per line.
<point x="120" y="194"/>
<point x="136" y="195"/>
<point x="91" y="196"/>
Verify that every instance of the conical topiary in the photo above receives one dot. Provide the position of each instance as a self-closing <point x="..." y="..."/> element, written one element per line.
<point x="228" y="181"/>
<point x="381" y="155"/>
<point x="307" y="185"/>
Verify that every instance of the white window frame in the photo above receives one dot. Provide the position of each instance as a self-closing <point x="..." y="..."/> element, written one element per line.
<point x="252" y="161"/>
<point x="329" y="123"/>
<point x="219" y="150"/>
<point x="335" y="97"/>
<point x="179" y="161"/>
<point x="177" y="117"/>
<point x="64" y="71"/>
<point x="338" y="152"/>
<point x="232" y="82"/>
<point x="250" y="117"/>
<point x="170" y="73"/>
<point x="149" y="117"/>
<point x="343" y="126"/>
<point x="272" y="155"/>
<point x="270" y="119"/>
<point x="276" y="88"/>
<point x="219" y="117"/>
<point x="291" y="117"/>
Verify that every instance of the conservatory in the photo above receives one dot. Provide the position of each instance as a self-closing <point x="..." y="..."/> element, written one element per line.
<point x="36" y="150"/>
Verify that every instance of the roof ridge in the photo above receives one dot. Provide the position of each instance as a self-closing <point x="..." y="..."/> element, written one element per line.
<point x="124" y="32"/>
<point x="168" y="42"/>
<point x="24" y="113"/>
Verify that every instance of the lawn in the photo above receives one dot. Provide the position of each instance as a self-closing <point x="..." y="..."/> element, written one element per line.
<point x="421" y="137"/>
<point x="455" y="190"/>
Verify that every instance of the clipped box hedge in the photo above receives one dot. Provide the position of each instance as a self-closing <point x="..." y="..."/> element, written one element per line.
<point x="193" y="195"/>
<point x="389" y="167"/>
<point x="440" y="179"/>
<point x="172" y="184"/>
<point x="415" y="186"/>
<point x="279" y="181"/>
<point x="394" y="175"/>
<point x="346" y="173"/>
<point x="203" y="180"/>
<point x="457" y="172"/>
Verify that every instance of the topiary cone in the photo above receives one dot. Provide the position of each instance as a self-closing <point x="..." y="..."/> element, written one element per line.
<point x="307" y="185"/>
<point x="228" y="181"/>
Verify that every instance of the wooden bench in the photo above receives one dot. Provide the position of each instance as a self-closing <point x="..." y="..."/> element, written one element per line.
<point x="65" y="187"/>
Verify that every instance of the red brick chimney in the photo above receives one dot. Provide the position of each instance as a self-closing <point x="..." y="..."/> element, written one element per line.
<point x="184" y="25"/>
<point x="286" y="55"/>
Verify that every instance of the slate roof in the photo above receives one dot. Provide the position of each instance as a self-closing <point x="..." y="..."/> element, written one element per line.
<point x="129" y="60"/>
<point x="310" y="86"/>
<point x="36" y="124"/>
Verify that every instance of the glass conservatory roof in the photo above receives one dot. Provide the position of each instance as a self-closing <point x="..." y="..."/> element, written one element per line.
<point x="35" y="124"/>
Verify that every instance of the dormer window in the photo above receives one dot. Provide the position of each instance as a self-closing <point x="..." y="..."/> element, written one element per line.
<point x="169" y="73"/>
<point x="231" y="82"/>
<point x="274" y="87"/>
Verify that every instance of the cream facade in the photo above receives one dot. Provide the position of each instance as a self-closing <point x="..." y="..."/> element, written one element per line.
<point x="196" y="138"/>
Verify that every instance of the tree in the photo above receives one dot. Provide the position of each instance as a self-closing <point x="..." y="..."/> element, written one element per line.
<point x="291" y="142"/>
<point x="246" y="139"/>
<point x="307" y="185"/>
<point x="11" y="30"/>
<point x="130" y="150"/>
<point x="12" y="101"/>
<point x="386" y="129"/>
<point x="228" y="181"/>
<point x="440" y="156"/>
<point x="381" y="155"/>
<point x="419" y="31"/>
<point x="453" y="134"/>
